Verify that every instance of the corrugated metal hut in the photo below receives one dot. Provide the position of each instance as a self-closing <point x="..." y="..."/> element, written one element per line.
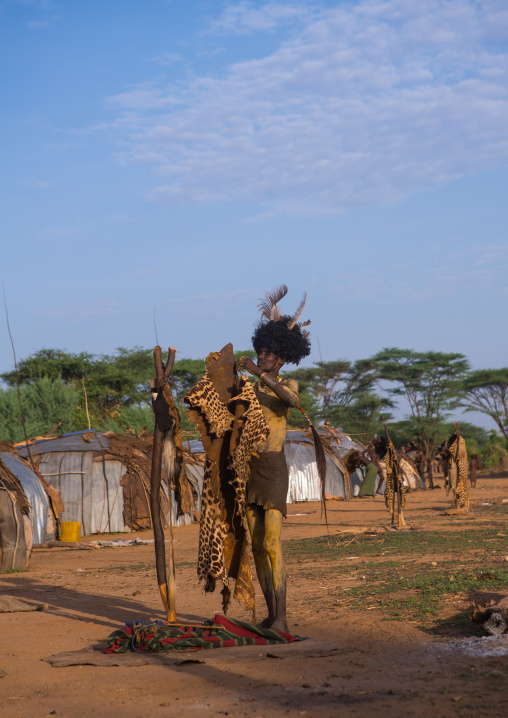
<point x="104" y="480"/>
<point x="304" y="482"/>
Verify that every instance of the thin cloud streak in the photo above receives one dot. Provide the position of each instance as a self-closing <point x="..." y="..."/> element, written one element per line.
<point x="245" y="18"/>
<point x="479" y="268"/>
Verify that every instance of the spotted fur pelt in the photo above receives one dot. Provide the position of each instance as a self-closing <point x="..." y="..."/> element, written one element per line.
<point x="392" y="470"/>
<point x="455" y="449"/>
<point x="231" y="429"/>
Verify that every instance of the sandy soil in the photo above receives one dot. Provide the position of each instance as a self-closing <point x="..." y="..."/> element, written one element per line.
<point x="355" y="664"/>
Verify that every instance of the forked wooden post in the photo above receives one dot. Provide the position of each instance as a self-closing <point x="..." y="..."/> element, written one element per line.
<point x="163" y="431"/>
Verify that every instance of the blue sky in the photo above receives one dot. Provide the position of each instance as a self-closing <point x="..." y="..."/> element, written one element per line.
<point x="183" y="157"/>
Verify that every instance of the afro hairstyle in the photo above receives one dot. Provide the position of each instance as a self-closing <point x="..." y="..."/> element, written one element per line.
<point x="292" y="345"/>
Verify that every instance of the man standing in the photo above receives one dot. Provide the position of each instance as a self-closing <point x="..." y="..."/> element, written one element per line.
<point x="277" y="339"/>
<point x="474" y="466"/>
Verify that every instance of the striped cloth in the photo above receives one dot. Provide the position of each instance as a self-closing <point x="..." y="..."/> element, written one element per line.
<point x="221" y="633"/>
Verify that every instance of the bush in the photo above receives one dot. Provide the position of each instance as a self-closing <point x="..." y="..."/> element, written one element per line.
<point x="45" y="402"/>
<point x="494" y="455"/>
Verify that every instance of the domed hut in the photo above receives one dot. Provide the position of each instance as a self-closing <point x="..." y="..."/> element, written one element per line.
<point x="29" y="510"/>
<point x="304" y="484"/>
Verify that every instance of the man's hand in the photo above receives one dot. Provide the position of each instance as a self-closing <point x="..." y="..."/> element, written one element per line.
<point x="246" y="364"/>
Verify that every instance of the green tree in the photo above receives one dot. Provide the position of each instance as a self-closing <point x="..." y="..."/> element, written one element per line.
<point x="486" y="391"/>
<point x="404" y="431"/>
<point x="430" y="382"/>
<point x="51" y="363"/>
<point x="186" y="373"/>
<point x="363" y="417"/>
<point x="494" y="454"/>
<point x="111" y="381"/>
<point x="117" y="386"/>
<point x="296" y="419"/>
<point x="334" y="385"/>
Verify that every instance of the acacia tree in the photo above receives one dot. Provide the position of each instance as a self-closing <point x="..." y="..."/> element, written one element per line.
<point x="117" y="387"/>
<point x="486" y="391"/>
<point x="334" y="384"/>
<point x="364" y="416"/>
<point x="430" y="381"/>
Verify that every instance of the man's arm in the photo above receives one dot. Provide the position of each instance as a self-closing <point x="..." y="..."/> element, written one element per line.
<point x="284" y="394"/>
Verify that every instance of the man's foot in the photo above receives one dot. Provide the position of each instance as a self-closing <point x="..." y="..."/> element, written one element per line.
<point x="266" y="623"/>
<point x="280" y="624"/>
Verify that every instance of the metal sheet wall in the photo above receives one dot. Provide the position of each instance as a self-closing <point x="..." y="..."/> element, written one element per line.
<point x="106" y="500"/>
<point x="91" y="491"/>
<point x="35" y="494"/>
<point x="69" y="473"/>
<point x="304" y="484"/>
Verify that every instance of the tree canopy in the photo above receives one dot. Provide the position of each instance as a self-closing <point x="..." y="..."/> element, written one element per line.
<point x="355" y="397"/>
<point x="429" y="381"/>
<point x="486" y="391"/>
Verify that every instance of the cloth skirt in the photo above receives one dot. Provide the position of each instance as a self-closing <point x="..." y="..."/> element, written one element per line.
<point x="269" y="481"/>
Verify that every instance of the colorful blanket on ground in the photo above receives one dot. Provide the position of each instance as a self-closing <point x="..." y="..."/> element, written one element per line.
<point x="222" y="632"/>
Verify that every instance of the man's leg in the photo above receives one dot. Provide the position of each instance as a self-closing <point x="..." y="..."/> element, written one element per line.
<point x="256" y="522"/>
<point x="273" y="548"/>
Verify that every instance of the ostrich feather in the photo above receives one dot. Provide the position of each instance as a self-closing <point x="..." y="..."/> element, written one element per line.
<point x="298" y="313"/>
<point x="268" y="305"/>
<point x="303" y="324"/>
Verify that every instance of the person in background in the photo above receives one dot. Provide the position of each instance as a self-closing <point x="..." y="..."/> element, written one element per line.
<point x="474" y="466"/>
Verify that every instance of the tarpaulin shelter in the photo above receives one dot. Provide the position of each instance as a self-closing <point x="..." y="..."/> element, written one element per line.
<point x="29" y="509"/>
<point x="104" y="480"/>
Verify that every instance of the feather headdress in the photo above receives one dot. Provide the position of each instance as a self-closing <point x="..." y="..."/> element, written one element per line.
<point x="281" y="333"/>
<point x="292" y="322"/>
<point x="270" y="312"/>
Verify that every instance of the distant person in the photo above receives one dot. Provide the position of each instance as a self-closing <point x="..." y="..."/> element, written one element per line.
<point x="368" y="482"/>
<point x="372" y="470"/>
<point x="474" y="466"/>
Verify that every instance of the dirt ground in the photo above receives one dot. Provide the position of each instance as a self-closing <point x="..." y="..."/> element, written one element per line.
<point x="355" y="663"/>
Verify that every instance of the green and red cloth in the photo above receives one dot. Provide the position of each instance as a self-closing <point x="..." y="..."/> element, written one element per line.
<point x="221" y="633"/>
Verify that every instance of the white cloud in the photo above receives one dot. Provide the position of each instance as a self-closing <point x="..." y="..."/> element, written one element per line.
<point x="168" y="58"/>
<point x="368" y="102"/>
<point x="245" y="18"/>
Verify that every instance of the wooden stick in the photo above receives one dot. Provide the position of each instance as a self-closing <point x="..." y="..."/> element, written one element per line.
<point x="171" y="562"/>
<point x="158" y="532"/>
<point x="167" y="585"/>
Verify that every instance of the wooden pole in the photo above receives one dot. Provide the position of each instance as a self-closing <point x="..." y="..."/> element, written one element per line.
<point x="171" y="564"/>
<point x="163" y="430"/>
